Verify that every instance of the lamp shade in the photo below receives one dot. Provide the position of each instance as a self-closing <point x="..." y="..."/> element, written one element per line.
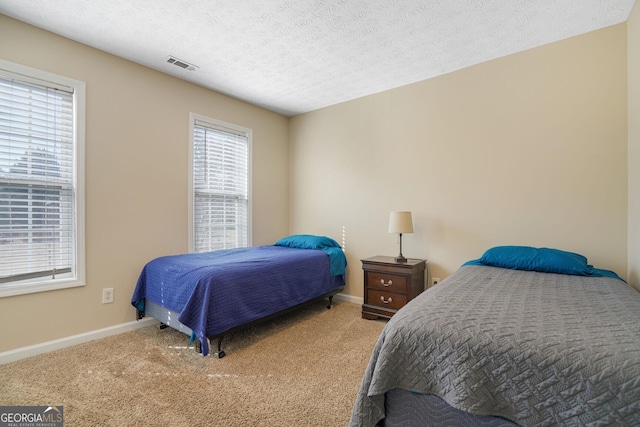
<point x="400" y="222"/>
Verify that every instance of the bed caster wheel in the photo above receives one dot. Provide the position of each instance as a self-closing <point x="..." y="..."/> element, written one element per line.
<point x="219" y="354"/>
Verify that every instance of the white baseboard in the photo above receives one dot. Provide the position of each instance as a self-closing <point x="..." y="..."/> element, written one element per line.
<point x="33" y="350"/>
<point x="349" y="298"/>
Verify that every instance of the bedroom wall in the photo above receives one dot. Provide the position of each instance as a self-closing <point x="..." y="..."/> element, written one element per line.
<point x="633" y="48"/>
<point x="137" y="123"/>
<point x="528" y="149"/>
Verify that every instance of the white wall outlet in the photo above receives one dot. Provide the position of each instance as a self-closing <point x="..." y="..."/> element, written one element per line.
<point x="435" y="281"/>
<point x="107" y="295"/>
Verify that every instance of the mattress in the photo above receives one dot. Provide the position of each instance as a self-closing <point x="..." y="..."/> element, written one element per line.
<point x="406" y="409"/>
<point x="533" y="348"/>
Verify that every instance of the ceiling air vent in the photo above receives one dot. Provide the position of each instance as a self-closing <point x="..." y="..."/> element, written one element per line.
<point x="180" y="63"/>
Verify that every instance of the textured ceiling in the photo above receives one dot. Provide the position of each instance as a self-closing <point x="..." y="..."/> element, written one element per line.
<point x="297" y="56"/>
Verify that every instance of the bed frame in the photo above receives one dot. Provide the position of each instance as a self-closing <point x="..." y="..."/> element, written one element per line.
<point x="169" y="318"/>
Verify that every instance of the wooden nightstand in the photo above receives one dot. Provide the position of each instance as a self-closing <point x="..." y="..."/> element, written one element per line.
<point x="389" y="285"/>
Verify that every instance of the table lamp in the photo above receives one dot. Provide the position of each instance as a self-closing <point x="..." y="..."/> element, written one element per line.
<point x="400" y="222"/>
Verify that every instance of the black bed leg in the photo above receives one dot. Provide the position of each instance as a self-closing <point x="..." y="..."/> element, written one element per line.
<point x="219" y="354"/>
<point x="330" y="300"/>
<point x="163" y="326"/>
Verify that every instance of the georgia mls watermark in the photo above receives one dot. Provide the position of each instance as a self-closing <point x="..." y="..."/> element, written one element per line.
<point x="31" y="416"/>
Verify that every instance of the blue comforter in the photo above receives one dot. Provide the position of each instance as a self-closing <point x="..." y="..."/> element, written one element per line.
<point x="217" y="291"/>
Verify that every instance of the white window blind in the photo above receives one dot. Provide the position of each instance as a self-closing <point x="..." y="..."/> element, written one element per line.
<point x="37" y="199"/>
<point x="220" y="187"/>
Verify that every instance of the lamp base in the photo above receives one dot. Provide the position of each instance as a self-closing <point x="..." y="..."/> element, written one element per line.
<point x="400" y="259"/>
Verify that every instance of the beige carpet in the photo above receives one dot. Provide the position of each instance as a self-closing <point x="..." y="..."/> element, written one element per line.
<point x="301" y="369"/>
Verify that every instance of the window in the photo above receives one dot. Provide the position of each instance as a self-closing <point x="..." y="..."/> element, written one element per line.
<point x="219" y="205"/>
<point x="41" y="180"/>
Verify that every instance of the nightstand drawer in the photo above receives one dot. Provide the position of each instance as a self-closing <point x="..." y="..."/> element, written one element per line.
<point x="387" y="299"/>
<point x="387" y="282"/>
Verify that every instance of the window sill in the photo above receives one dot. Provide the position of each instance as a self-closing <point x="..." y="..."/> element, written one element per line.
<point x="34" y="286"/>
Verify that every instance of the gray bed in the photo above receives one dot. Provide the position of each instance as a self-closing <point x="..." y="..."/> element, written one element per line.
<point x="502" y="347"/>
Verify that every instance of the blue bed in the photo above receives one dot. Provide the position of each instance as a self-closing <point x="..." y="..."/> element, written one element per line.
<point x="210" y="294"/>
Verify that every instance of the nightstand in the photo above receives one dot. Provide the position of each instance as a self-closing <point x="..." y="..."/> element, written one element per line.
<point x="389" y="285"/>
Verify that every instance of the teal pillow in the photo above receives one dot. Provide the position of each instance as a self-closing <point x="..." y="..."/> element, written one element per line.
<point x="337" y="259"/>
<point x="545" y="260"/>
<point x="307" y="241"/>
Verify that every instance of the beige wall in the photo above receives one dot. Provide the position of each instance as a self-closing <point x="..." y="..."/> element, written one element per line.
<point x="633" y="47"/>
<point x="137" y="131"/>
<point x="529" y="149"/>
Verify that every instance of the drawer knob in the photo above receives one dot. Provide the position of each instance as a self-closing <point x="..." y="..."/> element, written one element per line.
<point x="387" y="301"/>
<point x="386" y="284"/>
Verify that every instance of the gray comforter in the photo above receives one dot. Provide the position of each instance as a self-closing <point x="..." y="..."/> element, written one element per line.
<point x="539" y="349"/>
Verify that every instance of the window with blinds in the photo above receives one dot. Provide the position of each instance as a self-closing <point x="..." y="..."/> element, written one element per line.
<point x="38" y="197"/>
<point x="220" y="184"/>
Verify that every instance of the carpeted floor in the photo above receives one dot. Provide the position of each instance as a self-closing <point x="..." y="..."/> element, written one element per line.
<point x="301" y="369"/>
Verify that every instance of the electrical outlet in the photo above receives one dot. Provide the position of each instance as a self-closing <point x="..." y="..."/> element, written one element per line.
<point x="435" y="281"/>
<point x="107" y="295"/>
